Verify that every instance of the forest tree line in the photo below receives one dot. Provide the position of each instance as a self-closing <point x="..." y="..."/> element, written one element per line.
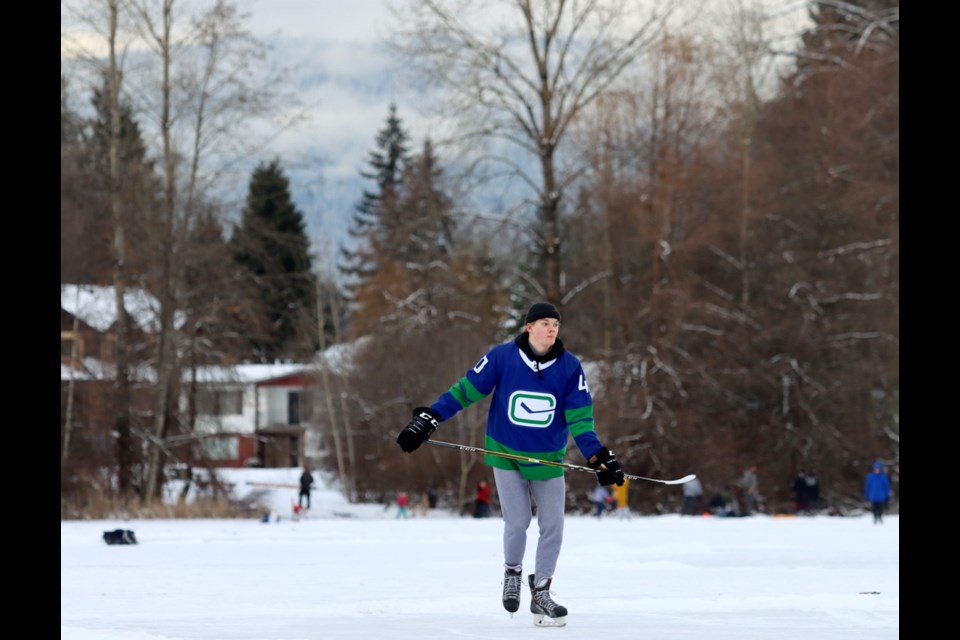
<point x="726" y="258"/>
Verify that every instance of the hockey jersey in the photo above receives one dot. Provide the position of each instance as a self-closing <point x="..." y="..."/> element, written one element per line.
<point x="538" y="403"/>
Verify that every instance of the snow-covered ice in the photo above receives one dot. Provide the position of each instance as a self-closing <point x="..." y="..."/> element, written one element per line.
<point x="355" y="571"/>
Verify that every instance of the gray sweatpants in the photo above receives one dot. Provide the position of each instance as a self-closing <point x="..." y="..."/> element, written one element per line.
<point x="550" y="497"/>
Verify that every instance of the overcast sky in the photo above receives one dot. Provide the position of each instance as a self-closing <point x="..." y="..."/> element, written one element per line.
<point x="335" y="47"/>
<point x="348" y="87"/>
<point x="344" y="84"/>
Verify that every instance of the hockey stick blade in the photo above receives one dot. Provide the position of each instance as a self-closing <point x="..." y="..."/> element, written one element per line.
<point x="550" y="463"/>
<point x="683" y="480"/>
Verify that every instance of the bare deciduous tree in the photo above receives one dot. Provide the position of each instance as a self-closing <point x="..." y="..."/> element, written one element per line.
<point x="518" y="74"/>
<point x="205" y="90"/>
<point x="104" y="19"/>
<point x="192" y="76"/>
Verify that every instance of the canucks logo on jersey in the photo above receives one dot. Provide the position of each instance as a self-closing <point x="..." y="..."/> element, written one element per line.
<point x="531" y="409"/>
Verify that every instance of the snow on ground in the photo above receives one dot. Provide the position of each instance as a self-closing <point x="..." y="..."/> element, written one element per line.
<point x="356" y="571"/>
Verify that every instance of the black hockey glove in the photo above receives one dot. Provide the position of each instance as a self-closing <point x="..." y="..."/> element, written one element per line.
<point x="607" y="467"/>
<point x="425" y="421"/>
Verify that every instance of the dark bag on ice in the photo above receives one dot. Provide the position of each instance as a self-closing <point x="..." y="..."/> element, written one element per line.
<point x="119" y="536"/>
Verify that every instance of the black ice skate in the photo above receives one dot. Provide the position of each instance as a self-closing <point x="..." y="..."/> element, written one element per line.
<point x="546" y="612"/>
<point x="512" y="584"/>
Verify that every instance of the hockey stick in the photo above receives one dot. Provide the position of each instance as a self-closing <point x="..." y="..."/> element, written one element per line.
<point x="551" y="463"/>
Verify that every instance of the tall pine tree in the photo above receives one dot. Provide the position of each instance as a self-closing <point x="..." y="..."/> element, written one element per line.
<point x="422" y="230"/>
<point x="86" y="227"/>
<point x="410" y="282"/>
<point x="272" y="246"/>
<point x="399" y="273"/>
<point x="386" y="165"/>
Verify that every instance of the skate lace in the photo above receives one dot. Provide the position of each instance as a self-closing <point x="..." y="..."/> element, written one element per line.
<point x="512" y="585"/>
<point x="543" y="599"/>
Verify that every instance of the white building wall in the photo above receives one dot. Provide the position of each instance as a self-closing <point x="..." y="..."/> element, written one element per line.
<point x="262" y="407"/>
<point x="243" y="423"/>
<point x="275" y="403"/>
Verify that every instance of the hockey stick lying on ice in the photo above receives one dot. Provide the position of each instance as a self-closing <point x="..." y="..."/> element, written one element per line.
<point x="565" y="465"/>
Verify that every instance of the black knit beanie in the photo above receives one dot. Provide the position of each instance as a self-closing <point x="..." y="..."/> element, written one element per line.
<point x="541" y="310"/>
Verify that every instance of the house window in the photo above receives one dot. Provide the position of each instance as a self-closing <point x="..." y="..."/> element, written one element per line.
<point x="219" y="402"/>
<point x="220" y="448"/>
<point x="293" y="407"/>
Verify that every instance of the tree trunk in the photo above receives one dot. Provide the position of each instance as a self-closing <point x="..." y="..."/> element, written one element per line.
<point x="122" y="395"/>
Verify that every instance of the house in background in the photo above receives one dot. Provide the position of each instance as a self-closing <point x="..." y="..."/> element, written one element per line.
<point x="88" y="318"/>
<point x="243" y="415"/>
<point x="252" y="414"/>
<point x="88" y="338"/>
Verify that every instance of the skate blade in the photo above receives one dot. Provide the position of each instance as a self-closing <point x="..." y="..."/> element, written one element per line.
<point x="540" y="620"/>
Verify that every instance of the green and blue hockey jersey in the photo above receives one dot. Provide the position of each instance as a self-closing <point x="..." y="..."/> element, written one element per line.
<point x="538" y="403"/>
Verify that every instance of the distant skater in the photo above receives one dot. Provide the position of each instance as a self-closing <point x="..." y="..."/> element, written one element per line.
<point x="601" y="497"/>
<point x="481" y="506"/>
<point x="877" y="491"/>
<point x="692" y="491"/>
<point x="306" y="484"/>
<point x="403" y="504"/>
<point x="751" y="490"/>
<point x="621" y="501"/>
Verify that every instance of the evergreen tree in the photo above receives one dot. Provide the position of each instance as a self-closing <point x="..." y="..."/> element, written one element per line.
<point x="217" y="298"/>
<point x="82" y="258"/>
<point x="86" y="248"/>
<point x="421" y="229"/>
<point x="386" y="165"/>
<point x="427" y="297"/>
<point x="272" y="246"/>
<point x="411" y="243"/>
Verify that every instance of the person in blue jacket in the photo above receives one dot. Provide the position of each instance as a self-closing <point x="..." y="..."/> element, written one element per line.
<point x="540" y="399"/>
<point x="877" y="491"/>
